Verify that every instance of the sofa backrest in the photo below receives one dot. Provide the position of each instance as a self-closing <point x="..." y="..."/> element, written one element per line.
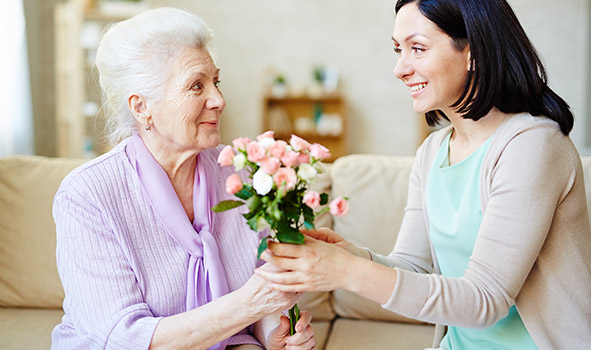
<point x="28" y="273"/>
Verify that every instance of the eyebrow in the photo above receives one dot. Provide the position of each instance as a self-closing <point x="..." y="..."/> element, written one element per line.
<point x="197" y="74"/>
<point x="409" y="37"/>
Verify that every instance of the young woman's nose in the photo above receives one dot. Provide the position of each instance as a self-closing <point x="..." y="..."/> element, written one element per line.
<point x="403" y="67"/>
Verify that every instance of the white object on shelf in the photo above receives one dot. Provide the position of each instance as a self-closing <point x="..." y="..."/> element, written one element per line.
<point x="122" y="8"/>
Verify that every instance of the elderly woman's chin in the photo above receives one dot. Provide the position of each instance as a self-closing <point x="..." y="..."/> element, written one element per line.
<point x="209" y="139"/>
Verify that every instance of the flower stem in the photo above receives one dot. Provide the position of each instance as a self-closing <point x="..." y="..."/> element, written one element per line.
<point x="294" y="316"/>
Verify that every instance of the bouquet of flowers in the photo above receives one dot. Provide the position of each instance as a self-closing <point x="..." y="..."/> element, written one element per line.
<point x="278" y="197"/>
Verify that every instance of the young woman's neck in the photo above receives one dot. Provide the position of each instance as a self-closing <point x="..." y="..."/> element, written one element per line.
<point x="468" y="131"/>
<point x="468" y="135"/>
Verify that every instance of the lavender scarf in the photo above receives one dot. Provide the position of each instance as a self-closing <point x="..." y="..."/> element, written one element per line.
<point x="206" y="279"/>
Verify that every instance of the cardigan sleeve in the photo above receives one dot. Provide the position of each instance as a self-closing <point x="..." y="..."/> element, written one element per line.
<point x="530" y="178"/>
<point x="104" y="305"/>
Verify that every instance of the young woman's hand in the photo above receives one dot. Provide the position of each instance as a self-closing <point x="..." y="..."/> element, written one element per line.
<point x="303" y="339"/>
<point x="314" y="266"/>
<point x="329" y="236"/>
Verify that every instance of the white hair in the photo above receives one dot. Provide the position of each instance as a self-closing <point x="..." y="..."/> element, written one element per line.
<point x="134" y="57"/>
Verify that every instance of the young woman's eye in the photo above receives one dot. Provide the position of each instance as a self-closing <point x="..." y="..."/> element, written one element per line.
<point x="416" y="49"/>
<point x="397" y="51"/>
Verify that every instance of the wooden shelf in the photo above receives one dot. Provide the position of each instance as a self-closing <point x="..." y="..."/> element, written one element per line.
<point x="318" y="119"/>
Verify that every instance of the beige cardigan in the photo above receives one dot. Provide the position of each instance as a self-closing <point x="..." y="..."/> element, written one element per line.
<point x="533" y="248"/>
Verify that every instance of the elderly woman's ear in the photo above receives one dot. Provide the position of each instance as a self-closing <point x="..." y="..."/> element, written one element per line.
<point x="139" y="110"/>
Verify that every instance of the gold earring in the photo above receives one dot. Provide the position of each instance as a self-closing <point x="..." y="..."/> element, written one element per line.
<point x="148" y="127"/>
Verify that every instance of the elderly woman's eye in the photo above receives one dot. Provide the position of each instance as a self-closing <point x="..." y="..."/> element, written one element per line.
<point x="197" y="86"/>
<point x="217" y="83"/>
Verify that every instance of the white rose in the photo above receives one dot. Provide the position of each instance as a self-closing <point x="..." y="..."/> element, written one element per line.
<point x="320" y="168"/>
<point x="266" y="142"/>
<point x="239" y="161"/>
<point x="307" y="172"/>
<point x="262" y="182"/>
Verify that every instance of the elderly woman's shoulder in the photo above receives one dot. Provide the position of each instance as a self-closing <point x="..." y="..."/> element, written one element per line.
<point x="98" y="172"/>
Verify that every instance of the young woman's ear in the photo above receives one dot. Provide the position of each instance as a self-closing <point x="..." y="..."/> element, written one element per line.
<point x="139" y="109"/>
<point x="469" y="65"/>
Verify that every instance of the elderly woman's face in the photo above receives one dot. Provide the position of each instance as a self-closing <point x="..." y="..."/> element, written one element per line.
<point x="187" y="118"/>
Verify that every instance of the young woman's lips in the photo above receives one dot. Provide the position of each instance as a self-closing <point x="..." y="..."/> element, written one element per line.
<point x="416" y="89"/>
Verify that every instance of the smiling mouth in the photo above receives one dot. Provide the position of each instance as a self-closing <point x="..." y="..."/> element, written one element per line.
<point x="417" y="87"/>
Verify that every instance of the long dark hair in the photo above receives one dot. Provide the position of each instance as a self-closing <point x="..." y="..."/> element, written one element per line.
<point x="507" y="71"/>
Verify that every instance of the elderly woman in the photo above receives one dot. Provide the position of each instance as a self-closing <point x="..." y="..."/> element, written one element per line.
<point x="143" y="260"/>
<point x="494" y="243"/>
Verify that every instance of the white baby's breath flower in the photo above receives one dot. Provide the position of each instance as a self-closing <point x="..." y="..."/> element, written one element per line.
<point x="262" y="182"/>
<point x="239" y="161"/>
<point x="307" y="172"/>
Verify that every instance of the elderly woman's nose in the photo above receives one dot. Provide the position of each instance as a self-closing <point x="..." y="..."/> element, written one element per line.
<point x="215" y="100"/>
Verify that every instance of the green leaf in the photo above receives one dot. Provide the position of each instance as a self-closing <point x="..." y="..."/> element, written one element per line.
<point x="245" y="193"/>
<point x="323" y="199"/>
<point x="308" y="217"/>
<point x="262" y="246"/>
<point x="254" y="203"/>
<point x="252" y="222"/>
<point x="288" y="234"/>
<point x="227" y="205"/>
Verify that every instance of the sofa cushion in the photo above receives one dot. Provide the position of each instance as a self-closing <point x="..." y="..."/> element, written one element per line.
<point x="377" y="187"/>
<point x="349" y="334"/>
<point x="27" y="329"/>
<point x="28" y="272"/>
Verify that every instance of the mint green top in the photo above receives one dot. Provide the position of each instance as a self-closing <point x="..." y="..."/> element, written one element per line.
<point x="455" y="213"/>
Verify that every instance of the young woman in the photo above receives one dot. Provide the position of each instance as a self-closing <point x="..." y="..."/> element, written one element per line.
<point x="495" y="238"/>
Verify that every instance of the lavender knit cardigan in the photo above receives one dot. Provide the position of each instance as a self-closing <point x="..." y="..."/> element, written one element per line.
<point x="120" y="269"/>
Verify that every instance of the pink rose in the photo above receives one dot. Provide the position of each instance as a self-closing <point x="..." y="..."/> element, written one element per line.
<point x="270" y="165"/>
<point x="312" y="199"/>
<point x="285" y="177"/>
<point x="233" y="184"/>
<point x="290" y="158"/>
<point x="303" y="158"/>
<point x="299" y="144"/>
<point x="319" y="152"/>
<point x="339" y="207"/>
<point x="277" y="149"/>
<point x="266" y="135"/>
<point x="226" y="155"/>
<point x="240" y="143"/>
<point x="255" y="152"/>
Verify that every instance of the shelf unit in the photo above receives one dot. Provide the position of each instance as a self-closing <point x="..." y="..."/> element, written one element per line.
<point x="318" y="119"/>
<point x="79" y="120"/>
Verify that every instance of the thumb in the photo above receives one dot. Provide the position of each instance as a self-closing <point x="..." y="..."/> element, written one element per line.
<point x="281" y="331"/>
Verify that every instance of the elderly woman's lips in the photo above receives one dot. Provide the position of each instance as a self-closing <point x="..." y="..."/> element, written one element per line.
<point x="212" y="123"/>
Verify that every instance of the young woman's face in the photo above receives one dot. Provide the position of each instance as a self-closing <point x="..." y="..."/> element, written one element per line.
<point x="187" y="118"/>
<point x="428" y="63"/>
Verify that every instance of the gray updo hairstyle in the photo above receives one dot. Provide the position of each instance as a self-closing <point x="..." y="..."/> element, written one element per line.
<point x="134" y="58"/>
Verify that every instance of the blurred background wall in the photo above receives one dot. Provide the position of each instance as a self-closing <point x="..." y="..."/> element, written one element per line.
<point x="291" y="37"/>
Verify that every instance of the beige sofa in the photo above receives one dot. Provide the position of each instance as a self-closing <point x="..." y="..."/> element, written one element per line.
<point x="31" y="293"/>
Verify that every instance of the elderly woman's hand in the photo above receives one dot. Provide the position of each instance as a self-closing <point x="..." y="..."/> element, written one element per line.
<point x="265" y="300"/>
<point x="303" y="339"/>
